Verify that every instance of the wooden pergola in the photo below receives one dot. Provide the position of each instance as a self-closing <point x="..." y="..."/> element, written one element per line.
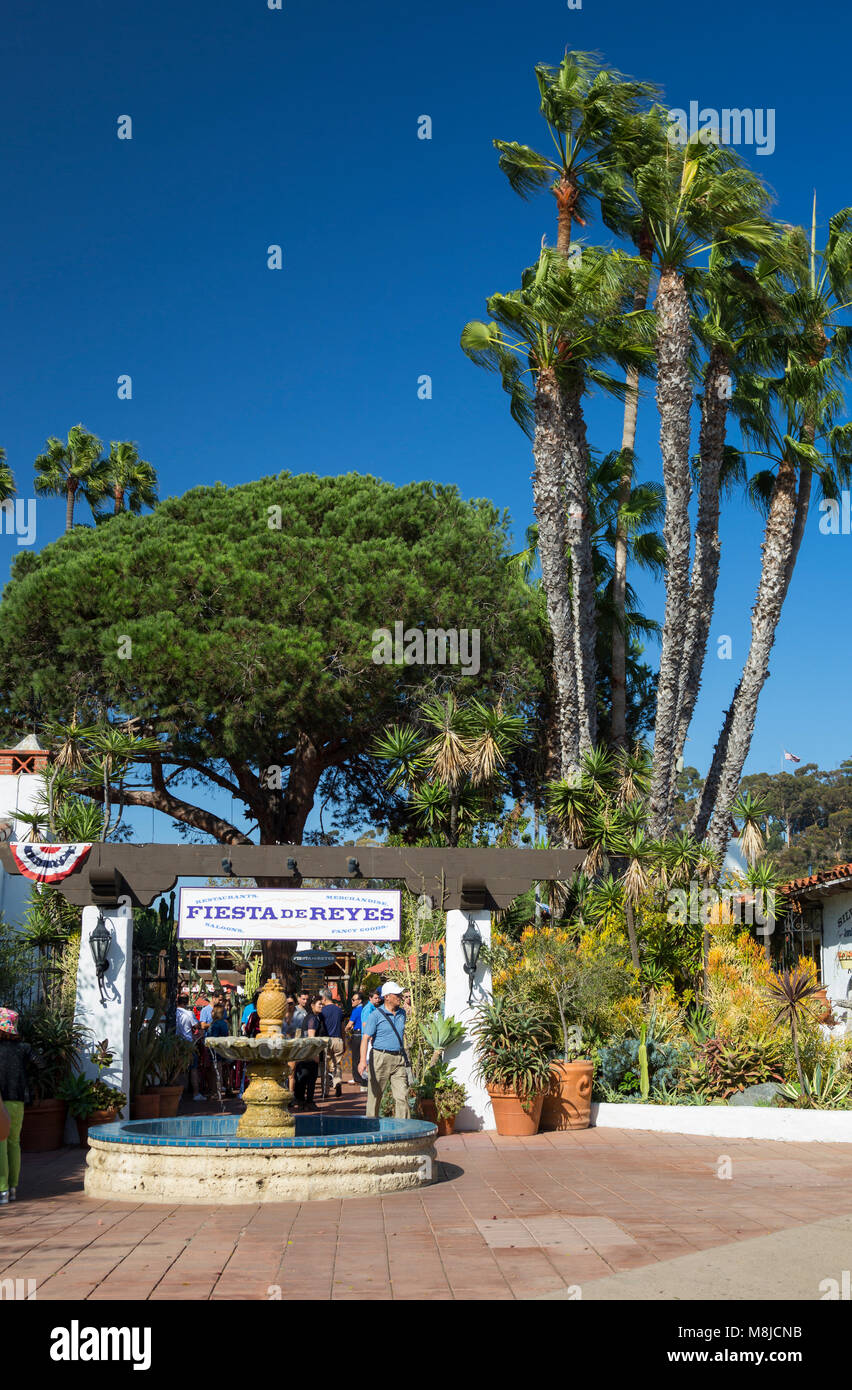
<point x="485" y="878"/>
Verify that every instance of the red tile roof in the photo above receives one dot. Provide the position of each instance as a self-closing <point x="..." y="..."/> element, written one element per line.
<point x="798" y="885"/>
<point x="430" y="949"/>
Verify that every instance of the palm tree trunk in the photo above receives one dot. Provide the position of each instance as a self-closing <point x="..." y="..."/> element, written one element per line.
<point x="576" y="465"/>
<point x="772" y="589"/>
<point x="69" y="505"/>
<point x="549" y="506"/>
<point x="709" y="792"/>
<point x="618" y="722"/>
<point x="674" y="401"/>
<point x="566" y="200"/>
<point x="705" y="564"/>
<point x="117" y="500"/>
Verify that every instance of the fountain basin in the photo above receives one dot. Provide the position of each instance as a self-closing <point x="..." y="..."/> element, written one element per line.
<point x="272" y="1048"/>
<point x="205" y="1160"/>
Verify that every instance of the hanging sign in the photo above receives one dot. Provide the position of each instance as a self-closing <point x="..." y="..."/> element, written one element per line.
<point x="314" y="960"/>
<point x="48" y="863"/>
<point x="289" y="914"/>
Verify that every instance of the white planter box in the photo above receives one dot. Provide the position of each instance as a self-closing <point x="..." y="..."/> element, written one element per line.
<point x="729" y="1121"/>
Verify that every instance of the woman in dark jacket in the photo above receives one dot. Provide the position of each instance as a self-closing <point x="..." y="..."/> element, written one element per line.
<point x="14" y="1095"/>
<point x="306" y="1071"/>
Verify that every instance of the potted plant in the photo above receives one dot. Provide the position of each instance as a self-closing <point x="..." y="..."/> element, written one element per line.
<point x="450" y="1096"/>
<point x="91" y="1102"/>
<point x="56" y="1040"/>
<point x="435" y="1075"/>
<point x="513" y="1061"/>
<point x="571" y="987"/>
<point x="145" y="1041"/>
<point x="172" y="1057"/>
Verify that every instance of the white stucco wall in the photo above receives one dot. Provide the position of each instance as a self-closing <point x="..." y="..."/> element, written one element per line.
<point x="477" y="1114"/>
<point x="836" y="935"/>
<point x="111" y="1021"/>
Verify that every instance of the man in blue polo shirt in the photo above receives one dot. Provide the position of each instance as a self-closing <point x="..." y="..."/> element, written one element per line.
<point x="388" y="1062"/>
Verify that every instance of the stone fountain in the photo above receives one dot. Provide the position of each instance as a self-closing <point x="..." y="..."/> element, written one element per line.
<point x="266" y="1154"/>
<point x="268" y="1058"/>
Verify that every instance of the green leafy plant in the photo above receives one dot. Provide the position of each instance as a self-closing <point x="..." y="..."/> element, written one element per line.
<point x="57" y="1041"/>
<point x="171" y="1057"/>
<point x="84" y="1096"/>
<point x="822" y="1090"/>
<point x="449" y="1099"/>
<point x="439" y="1033"/>
<point x="513" y="1050"/>
<point x="145" y="1042"/>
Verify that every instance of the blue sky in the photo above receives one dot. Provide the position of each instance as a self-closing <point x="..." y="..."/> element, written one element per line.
<point x="299" y="127"/>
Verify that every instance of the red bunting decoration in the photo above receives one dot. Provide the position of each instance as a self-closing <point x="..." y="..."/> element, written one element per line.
<point x="48" y="863"/>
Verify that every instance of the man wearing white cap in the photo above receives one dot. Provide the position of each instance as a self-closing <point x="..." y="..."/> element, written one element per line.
<point x="388" y="1061"/>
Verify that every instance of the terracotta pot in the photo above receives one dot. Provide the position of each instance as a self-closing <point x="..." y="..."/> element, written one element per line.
<point x="446" y="1125"/>
<point x="822" y="996"/>
<point x="510" y="1116"/>
<point x="428" y="1110"/>
<point x="97" y="1117"/>
<point x="169" y="1098"/>
<point x="145" y="1107"/>
<point x="567" y="1105"/>
<point x="44" y="1126"/>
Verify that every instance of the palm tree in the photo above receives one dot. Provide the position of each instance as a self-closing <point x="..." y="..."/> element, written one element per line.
<point x="7" y="481"/>
<point x="75" y="467"/>
<point x="564" y="323"/>
<point x="594" y="122"/>
<point x="638" y="518"/>
<point x="694" y="195"/>
<point x="739" y="309"/>
<point x="584" y="107"/>
<point x="638" y="138"/>
<point x="133" y="481"/>
<point x="794" y="421"/>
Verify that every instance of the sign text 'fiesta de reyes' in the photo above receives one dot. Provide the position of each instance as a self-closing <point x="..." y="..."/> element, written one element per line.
<point x="289" y="914"/>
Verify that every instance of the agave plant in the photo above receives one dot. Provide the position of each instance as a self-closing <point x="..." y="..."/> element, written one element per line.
<point x="826" y="1090"/>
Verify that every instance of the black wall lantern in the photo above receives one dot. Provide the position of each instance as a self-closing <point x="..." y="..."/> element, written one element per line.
<point x="100" y="941"/>
<point x="471" y="945"/>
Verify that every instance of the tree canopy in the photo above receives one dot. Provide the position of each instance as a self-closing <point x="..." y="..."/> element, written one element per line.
<point x="236" y="625"/>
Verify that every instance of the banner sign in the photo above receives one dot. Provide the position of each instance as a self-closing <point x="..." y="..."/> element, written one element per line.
<point x="48" y="863"/>
<point x="289" y="914"/>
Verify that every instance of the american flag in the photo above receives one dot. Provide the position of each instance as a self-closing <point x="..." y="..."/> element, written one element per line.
<point x="791" y="757"/>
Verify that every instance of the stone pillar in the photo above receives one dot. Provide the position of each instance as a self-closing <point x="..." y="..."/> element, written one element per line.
<point x="113" y="1021"/>
<point x="477" y="1114"/>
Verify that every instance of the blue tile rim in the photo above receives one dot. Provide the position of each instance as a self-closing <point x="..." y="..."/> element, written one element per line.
<point x="220" y="1132"/>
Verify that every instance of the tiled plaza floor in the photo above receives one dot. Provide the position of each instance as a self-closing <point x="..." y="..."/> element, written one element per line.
<point x="510" y="1219"/>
